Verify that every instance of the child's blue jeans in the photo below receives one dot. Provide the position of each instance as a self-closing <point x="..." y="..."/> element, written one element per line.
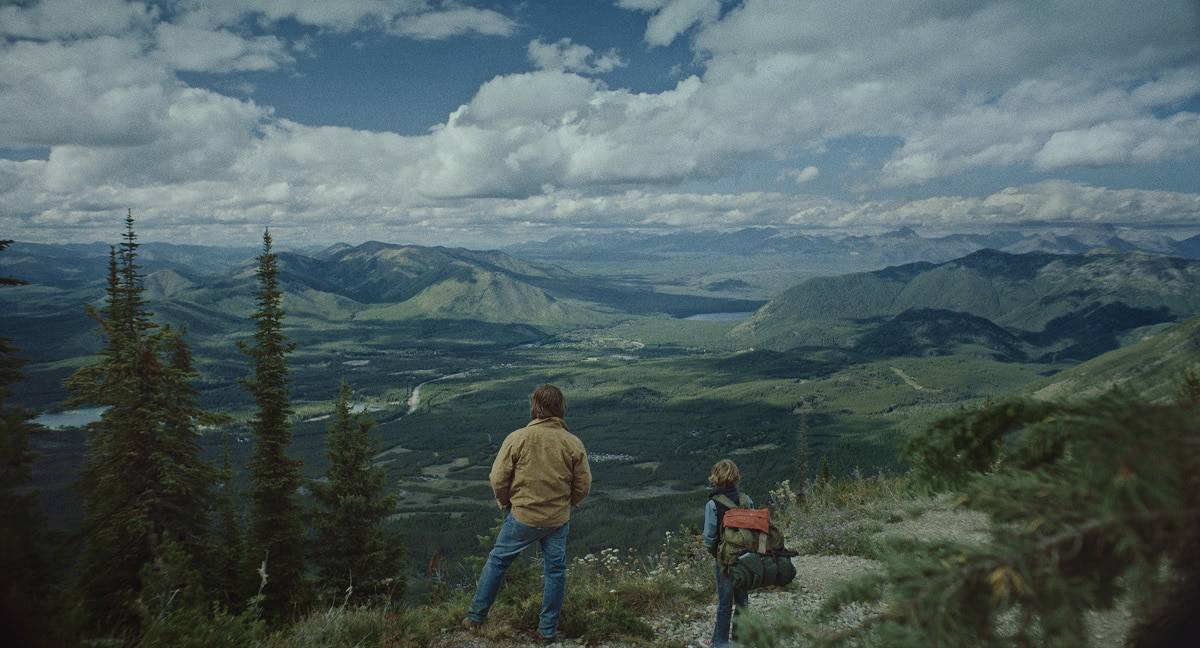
<point x="729" y="601"/>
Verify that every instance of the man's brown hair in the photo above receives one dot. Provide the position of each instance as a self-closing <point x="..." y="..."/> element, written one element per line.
<point x="547" y="401"/>
<point x="724" y="473"/>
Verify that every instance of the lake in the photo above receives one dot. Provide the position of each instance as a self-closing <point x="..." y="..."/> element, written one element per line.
<point x="70" y="418"/>
<point x="720" y="317"/>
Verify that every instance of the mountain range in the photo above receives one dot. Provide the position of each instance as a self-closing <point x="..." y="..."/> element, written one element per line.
<point x="1033" y="306"/>
<point x="1017" y="306"/>
<point x="903" y="245"/>
<point x="211" y="290"/>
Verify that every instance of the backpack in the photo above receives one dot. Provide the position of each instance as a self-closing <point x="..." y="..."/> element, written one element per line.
<point x="751" y="551"/>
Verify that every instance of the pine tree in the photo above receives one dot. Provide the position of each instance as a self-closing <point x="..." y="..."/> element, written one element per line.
<point x="353" y="551"/>
<point x="186" y="479"/>
<point x="276" y="534"/>
<point x="23" y="558"/>
<point x="143" y="481"/>
<point x="117" y="474"/>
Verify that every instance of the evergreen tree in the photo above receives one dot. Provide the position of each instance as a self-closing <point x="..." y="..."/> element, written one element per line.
<point x="276" y="534"/>
<point x="116" y="472"/>
<point x="185" y="480"/>
<point x="23" y="558"/>
<point x="354" y="552"/>
<point x="143" y="480"/>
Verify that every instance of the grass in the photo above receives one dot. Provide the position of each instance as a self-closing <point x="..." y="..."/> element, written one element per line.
<point x="842" y="516"/>
<point x="611" y="595"/>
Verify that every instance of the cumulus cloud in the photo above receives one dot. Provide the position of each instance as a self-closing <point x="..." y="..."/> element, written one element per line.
<point x="98" y="92"/>
<point x="801" y="176"/>
<point x="66" y="18"/>
<point x="670" y="18"/>
<point x="1121" y="141"/>
<point x="572" y="57"/>
<point x="418" y="19"/>
<point x="785" y="76"/>
<point x="1037" y="86"/>
<point x="203" y="50"/>
<point x="437" y="25"/>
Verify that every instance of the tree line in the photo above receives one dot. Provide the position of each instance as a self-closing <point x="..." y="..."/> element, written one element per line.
<point x="164" y="534"/>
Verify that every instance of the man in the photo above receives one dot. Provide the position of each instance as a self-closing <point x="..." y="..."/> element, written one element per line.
<point x="540" y="472"/>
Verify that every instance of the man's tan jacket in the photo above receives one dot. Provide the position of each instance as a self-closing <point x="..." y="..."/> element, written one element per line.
<point x="541" y="471"/>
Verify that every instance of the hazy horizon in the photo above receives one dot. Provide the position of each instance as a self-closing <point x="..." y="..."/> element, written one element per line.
<point x="253" y="239"/>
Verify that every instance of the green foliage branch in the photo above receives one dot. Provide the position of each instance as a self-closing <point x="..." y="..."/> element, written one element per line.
<point x="1091" y="504"/>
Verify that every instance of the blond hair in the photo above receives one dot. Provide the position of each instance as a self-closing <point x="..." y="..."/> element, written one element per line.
<point x="724" y="473"/>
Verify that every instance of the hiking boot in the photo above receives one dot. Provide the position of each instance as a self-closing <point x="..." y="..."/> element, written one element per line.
<point x="540" y="638"/>
<point x="471" y="625"/>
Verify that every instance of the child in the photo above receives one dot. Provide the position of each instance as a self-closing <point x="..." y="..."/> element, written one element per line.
<point x="724" y="479"/>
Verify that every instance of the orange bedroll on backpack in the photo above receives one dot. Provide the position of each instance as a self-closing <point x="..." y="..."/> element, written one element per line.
<point x="753" y="519"/>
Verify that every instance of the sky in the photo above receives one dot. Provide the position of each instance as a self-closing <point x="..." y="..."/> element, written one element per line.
<point x="485" y="123"/>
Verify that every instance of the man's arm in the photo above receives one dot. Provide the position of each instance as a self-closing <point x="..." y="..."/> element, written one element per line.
<point x="581" y="480"/>
<point x="502" y="473"/>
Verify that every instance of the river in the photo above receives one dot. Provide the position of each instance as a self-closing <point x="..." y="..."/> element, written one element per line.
<point x="414" y="399"/>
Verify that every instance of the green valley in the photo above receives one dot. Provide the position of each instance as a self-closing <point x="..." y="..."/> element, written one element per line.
<point x="442" y="346"/>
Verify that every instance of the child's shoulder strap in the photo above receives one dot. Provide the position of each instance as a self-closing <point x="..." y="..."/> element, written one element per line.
<point x="724" y="500"/>
<point x="743" y="500"/>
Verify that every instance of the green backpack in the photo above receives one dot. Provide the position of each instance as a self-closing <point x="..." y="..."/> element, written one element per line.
<point x="751" y="558"/>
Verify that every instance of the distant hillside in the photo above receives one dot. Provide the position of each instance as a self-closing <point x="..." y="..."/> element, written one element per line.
<point x="379" y="272"/>
<point x="900" y="246"/>
<point x="931" y="331"/>
<point x="341" y="288"/>
<point x="1189" y="248"/>
<point x="1152" y="366"/>
<point x="1063" y="306"/>
<point x="79" y="264"/>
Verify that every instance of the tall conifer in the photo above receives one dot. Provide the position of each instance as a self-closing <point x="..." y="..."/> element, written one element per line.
<point x="354" y="551"/>
<point x="143" y="480"/>
<point x="276" y="533"/>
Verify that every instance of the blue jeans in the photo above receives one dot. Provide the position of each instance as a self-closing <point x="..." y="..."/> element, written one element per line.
<point x="728" y="601"/>
<point x="515" y="537"/>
